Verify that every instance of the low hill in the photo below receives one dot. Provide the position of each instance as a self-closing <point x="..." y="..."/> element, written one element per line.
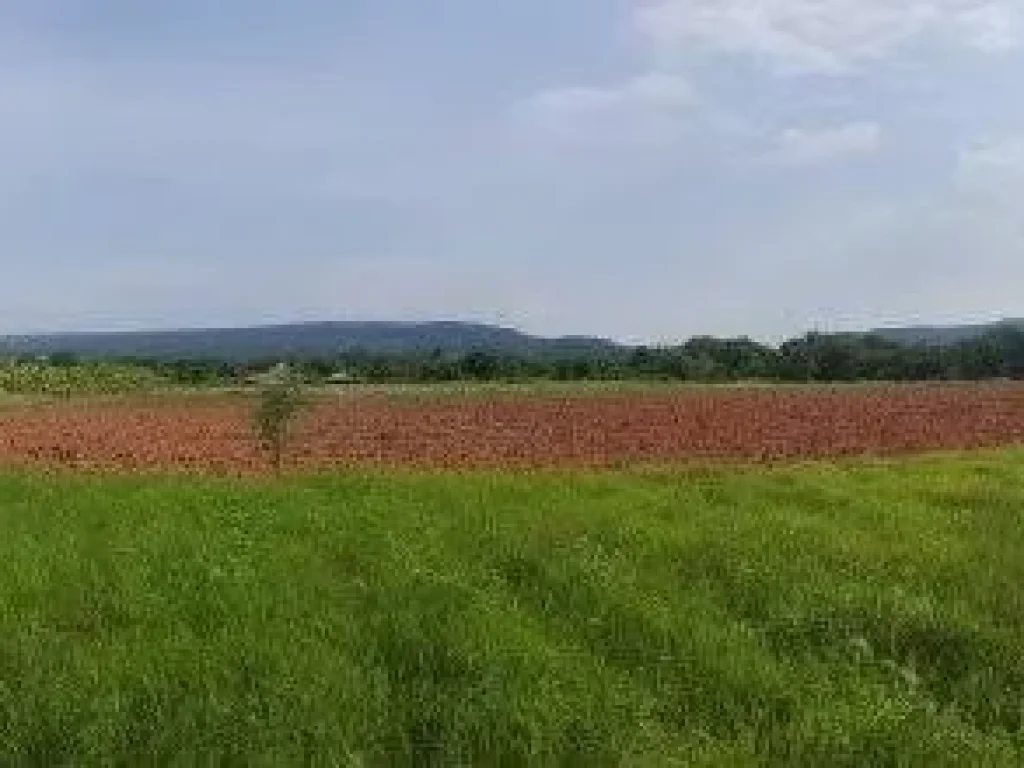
<point x="307" y="339"/>
<point x="942" y="335"/>
<point x="326" y="339"/>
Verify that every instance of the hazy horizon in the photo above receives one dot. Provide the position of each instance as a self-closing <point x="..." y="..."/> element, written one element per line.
<point x="638" y="170"/>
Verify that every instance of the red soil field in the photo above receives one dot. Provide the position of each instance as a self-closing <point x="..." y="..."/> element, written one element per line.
<point x="596" y="430"/>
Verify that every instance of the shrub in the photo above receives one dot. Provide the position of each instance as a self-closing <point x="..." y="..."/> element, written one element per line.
<point x="280" y="398"/>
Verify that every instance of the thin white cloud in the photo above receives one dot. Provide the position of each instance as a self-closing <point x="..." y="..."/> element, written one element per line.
<point x="800" y="146"/>
<point x="992" y="27"/>
<point x="993" y="156"/>
<point x="643" y="109"/>
<point x="952" y="251"/>
<point x="825" y="36"/>
<point x="654" y="90"/>
<point x="989" y="183"/>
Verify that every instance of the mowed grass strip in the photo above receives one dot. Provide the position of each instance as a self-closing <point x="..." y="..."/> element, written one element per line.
<point x="859" y="614"/>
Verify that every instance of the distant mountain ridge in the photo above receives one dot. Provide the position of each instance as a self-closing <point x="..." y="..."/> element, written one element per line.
<point x="943" y="334"/>
<point x="307" y="339"/>
<point x="329" y="338"/>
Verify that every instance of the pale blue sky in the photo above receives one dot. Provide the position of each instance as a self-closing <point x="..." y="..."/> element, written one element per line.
<point x="640" y="169"/>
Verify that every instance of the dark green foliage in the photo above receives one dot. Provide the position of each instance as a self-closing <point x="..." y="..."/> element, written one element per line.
<point x="815" y="357"/>
<point x="481" y="365"/>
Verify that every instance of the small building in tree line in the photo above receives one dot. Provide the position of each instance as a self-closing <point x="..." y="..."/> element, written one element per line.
<point x="341" y="378"/>
<point x="252" y="378"/>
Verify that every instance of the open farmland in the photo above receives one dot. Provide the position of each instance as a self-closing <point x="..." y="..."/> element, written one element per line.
<point x="602" y="612"/>
<point x="213" y="433"/>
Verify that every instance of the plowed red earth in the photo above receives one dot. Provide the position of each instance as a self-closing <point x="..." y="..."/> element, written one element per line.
<point x="523" y="431"/>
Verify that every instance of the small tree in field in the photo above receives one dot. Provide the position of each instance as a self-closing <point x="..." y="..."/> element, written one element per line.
<point x="280" y="398"/>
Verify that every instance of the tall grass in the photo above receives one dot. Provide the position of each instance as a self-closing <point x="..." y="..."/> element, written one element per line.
<point x="820" y="615"/>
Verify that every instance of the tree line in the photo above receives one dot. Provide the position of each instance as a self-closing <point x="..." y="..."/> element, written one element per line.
<point x="814" y="357"/>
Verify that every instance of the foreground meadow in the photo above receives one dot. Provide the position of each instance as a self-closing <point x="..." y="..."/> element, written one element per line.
<point x="852" y="614"/>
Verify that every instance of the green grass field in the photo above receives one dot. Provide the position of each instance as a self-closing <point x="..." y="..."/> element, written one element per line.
<point x="822" y="615"/>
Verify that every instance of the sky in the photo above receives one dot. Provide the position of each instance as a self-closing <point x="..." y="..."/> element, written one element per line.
<point x="644" y="170"/>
